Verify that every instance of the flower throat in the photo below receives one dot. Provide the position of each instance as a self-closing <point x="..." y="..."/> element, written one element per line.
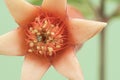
<point x="46" y="35"/>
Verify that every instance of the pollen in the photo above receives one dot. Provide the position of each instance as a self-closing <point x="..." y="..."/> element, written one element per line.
<point x="38" y="33"/>
<point x="52" y="33"/>
<point x="31" y="44"/>
<point x="38" y="47"/>
<point x="46" y="35"/>
<point x="30" y="50"/>
<point x="58" y="46"/>
<point x="50" y="49"/>
<point x="35" y="41"/>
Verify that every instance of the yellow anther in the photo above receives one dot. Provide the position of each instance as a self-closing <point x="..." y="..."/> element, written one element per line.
<point x="45" y="24"/>
<point x="50" y="49"/>
<point x="52" y="33"/>
<point x="48" y="32"/>
<point x="50" y="38"/>
<point x="38" y="47"/>
<point x="58" y="46"/>
<point x="35" y="30"/>
<point x="47" y="41"/>
<point x="35" y="41"/>
<point x="31" y="44"/>
<point x="30" y="50"/>
<point x="52" y="25"/>
<point x="42" y="47"/>
<point x="50" y="53"/>
<point x="30" y="28"/>
<point x="40" y="52"/>
<point x="38" y="33"/>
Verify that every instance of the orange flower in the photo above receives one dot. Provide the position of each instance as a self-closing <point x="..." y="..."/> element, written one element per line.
<point x="47" y="36"/>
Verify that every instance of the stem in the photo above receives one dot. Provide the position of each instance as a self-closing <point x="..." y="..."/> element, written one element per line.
<point x="102" y="54"/>
<point x="102" y="7"/>
<point x="102" y="43"/>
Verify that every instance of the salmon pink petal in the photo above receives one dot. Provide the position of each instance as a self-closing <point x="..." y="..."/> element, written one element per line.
<point x="34" y="67"/>
<point x="21" y="10"/>
<point x="67" y="64"/>
<point x="82" y="30"/>
<point x="11" y="43"/>
<point x="73" y="13"/>
<point x="57" y="6"/>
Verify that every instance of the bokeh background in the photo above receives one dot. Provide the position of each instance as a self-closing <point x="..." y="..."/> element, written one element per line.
<point x="94" y="65"/>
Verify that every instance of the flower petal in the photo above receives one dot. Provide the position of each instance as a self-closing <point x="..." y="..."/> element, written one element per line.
<point x="58" y="6"/>
<point x="34" y="67"/>
<point x="73" y="13"/>
<point x="82" y="30"/>
<point x="67" y="64"/>
<point x="11" y="43"/>
<point x="21" y="10"/>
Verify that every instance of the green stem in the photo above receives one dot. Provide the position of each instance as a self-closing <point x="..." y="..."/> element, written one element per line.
<point x="102" y="54"/>
<point x="102" y="43"/>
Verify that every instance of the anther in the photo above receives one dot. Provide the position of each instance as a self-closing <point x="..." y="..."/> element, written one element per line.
<point x="30" y="50"/>
<point x="45" y="24"/>
<point x="50" y="38"/>
<point x="58" y="46"/>
<point x="38" y="47"/>
<point x="34" y="31"/>
<point x="52" y="33"/>
<point x="50" y="54"/>
<point x="48" y="32"/>
<point x="50" y="49"/>
<point x="38" y="33"/>
<point x="42" y="47"/>
<point x="30" y="28"/>
<point x="52" y="25"/>
<point x="40" y="52"/>
<point x="35" y="41"/>
<point x="31" y="44"/>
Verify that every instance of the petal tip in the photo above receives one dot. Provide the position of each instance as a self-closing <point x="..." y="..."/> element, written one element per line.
<point x="102" y="25"/>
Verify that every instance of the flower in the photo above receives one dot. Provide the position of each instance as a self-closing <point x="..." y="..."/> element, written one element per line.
<point x="47" y="36"/>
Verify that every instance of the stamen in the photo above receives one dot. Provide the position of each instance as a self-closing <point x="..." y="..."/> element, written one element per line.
<point x="50" y="49"/>
<point x="40" y="52"/>
<point x="34" y="31"/>
<point x="58" y="46"/>
<point x="46" y="35"/>
<point x="52" y="25"/>
<point x="52" y="33"/>
<point x="50" y="54"/>
<point x="45" y="24"/>
<point x="30" y="50"/>
<point x="35" y="41"/>
<point x="48" y="32"/>
<point x="38" y="47"/>
<point x="31" y="44"/>
<point x="42" y="47"/>
<point x="38" y="33"/>
<point x="31" y="28"/>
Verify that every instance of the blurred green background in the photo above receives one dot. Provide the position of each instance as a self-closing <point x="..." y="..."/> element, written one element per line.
<point x="89" y="55"/>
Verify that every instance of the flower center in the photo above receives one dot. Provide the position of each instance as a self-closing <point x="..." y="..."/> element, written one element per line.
<point x="46" y="35"/>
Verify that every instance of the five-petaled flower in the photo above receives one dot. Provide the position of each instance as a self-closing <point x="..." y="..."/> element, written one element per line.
<point x="47" y="36"/>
